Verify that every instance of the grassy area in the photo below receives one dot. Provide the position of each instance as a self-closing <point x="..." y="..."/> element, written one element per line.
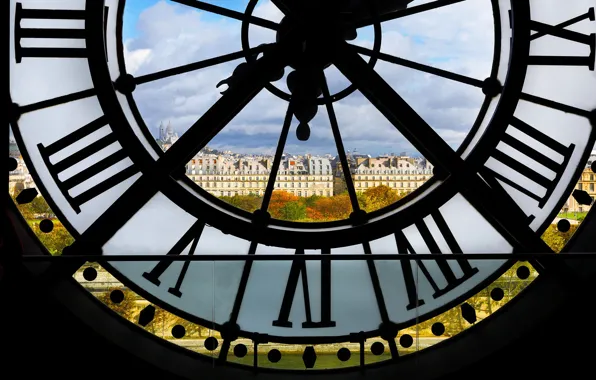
<point x="573" y="215"/>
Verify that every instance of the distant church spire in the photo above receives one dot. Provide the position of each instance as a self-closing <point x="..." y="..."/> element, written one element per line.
<point x="170" y="130"/>
<point x="162" y="131"/>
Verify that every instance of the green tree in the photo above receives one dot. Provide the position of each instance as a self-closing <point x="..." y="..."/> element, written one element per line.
<point x="25" y="209"/>
<point x="311" y="201"/>
<point x="294" y="210"/>
<point x="555" y="239"/>
<point x="56" y="240"/>
<point x="248" y="203"/>
<point x="40" y="208"/>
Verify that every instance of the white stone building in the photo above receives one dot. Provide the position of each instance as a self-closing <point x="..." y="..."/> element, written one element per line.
<point x="401" y="173"/>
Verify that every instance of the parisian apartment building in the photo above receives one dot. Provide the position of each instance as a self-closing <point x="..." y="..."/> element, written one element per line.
<point x="225" y="173"/>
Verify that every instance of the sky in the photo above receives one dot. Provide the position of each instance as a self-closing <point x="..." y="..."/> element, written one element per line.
<point x="160" y="34"/>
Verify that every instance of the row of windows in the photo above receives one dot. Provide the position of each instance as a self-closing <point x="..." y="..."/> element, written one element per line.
<point x="394" y="178"/>
<point x="259" y="178"/>
<point x="389" y="184"/>
<point x="586" y="186"/>
<point x="393" y="171"/>
<point x="262" y="185"/>
<point x="261" y="192"/>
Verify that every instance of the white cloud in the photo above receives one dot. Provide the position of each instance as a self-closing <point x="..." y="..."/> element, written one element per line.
<point x="135" y="59"/>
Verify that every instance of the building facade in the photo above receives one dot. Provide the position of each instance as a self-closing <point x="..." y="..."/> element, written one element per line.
<point x="230" y="175"/>
<point x="401" y="173"/>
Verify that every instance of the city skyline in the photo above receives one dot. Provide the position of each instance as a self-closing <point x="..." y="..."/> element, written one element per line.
<point x="165" y="134"/>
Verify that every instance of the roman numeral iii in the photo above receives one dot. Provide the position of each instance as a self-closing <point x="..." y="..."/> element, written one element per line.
<point x="90" y="172"/>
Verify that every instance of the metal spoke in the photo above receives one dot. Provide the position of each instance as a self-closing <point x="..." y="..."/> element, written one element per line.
<point x="407" y="12"/>
<point x="418" y="66"/>
<point x="225" y="347"/>
<point x="197" y="136"/>
<point x="397" y="111"/>
<point x="228" y="13"/>
<point x="339" y="144"/>
<point x="506" y="217"/>
<point x="200" y="65"/>
<point x="277" y="159"/>
<point x="378" y="290"/>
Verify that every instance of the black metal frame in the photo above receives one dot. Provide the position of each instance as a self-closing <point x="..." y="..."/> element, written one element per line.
<point x="510" y="95"/>
<point x="542" y="298"/>
<point x="235" y="225"/>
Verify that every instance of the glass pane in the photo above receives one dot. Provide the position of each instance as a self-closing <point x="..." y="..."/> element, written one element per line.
<point x="262" y="308"/>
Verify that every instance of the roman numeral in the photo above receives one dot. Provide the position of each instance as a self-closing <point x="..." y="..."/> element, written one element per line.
<point x="297" y="270"/>
<point x="192" y="235"/>
<point x="48" y="33"/>
<point x="91" y="171"/>
<point x="45" y="33"/>
<point x="560" y="31"/>
<point x="539" y="140"/>
<point x="405" y="247"/>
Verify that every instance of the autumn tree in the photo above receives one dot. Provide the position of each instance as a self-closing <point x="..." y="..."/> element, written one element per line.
<point x="313" y="214"/>
<point x="279" y="199"/>
<point x="378" y="197"/>
<point x="333" y="208"/>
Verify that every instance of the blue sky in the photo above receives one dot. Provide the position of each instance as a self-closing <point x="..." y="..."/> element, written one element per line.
<point x="134" y="8"/>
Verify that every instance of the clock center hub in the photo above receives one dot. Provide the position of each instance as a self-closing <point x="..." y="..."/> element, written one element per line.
<point x="313" y="49"/>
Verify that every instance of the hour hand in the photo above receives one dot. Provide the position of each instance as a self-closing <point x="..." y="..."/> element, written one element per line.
<point x="233" y="79"/>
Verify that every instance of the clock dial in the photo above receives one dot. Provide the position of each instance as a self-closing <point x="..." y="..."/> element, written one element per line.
<point x="74" y="114"/>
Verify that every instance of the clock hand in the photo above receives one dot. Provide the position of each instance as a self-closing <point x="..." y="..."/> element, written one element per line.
<point x="509" y="221"/>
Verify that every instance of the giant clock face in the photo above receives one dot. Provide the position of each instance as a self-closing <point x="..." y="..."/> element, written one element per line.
<point x="74" y="114"/>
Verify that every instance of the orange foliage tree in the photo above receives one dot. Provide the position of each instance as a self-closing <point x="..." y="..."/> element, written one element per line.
<point x="331" y="208"/>
<point x="279" y="198"/>
<point x="378" y="197"/>
<point x="287" y="206"/>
